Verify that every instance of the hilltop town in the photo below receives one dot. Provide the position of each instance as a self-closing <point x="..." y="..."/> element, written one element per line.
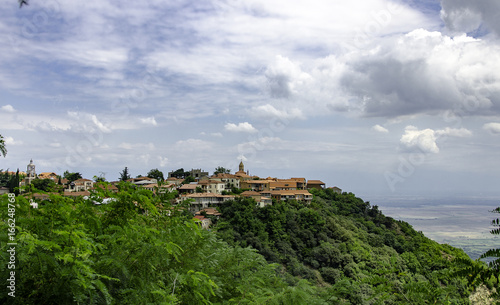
<point x="199" y="187"/>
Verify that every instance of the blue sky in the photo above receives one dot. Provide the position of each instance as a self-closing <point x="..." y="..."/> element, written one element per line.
<point x="376" y="97"/>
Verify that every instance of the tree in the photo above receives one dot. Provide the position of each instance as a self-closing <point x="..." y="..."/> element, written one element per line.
<point x="14" y="183"/>
<point x="180" y="173"/>
<point x="221" y="170"/>
<point x="46" y="185"/>
<point x="3" y="150"/>
<point x="72" y="176"/>
<point x="156" y="174"/>
<point x="124" y="175"/>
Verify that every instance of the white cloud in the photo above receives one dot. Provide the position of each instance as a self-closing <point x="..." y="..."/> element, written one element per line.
<point x="493" y="128"/>
<point x="192" y="145"/>
<point x="425" y="140"/>
<point x="163" y="161"/>
<point x="454" y="132"/>
<point x="8" y="108"/>
<point x="11" y="141"/>
<point x="149" y="121"/>
<point x="379" y="128"/>
<point x="241" y="127"/>
<point x="469" y="16"/>
<point x="269" y="111"/>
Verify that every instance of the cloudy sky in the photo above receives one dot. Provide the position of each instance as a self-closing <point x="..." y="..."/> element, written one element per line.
<point x="374" y="96"/>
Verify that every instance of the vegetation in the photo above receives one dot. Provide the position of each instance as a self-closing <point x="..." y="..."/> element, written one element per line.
<point x="222" y="170"/>
<point x="135" y="250"/>
<point x="124" y="175"/>
<point x="71" y="176"/>
<point x="349" y="247"/>
<point x="484" y="276"/>
<point x="156" y="174"/>
<point x="3" y="149"/>
<point x="140" y="249"/>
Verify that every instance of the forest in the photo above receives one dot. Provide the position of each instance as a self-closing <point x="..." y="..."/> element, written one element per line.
<point x="142" y="249"/>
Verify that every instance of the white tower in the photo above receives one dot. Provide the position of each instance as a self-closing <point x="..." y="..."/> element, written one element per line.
<point x="30" y="172"/>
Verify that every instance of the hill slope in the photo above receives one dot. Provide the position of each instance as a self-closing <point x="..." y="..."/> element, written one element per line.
<point x="342" y="243"/>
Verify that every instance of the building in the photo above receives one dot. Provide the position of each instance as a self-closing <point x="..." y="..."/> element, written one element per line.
<point x="48" y="175"/>
<point x="336" y="189"/>
<point x="80" y="185"/>
<point x="315" y="184"/>
<point x="258" y="197"/>
<point x="30" y="174"/>
<point x="283" y="195"/>
<point x="204" y="200"/>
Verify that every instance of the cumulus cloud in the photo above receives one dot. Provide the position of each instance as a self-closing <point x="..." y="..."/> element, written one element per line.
<point x="379" y="128"/>
<point x="468" y="16"/>
<point x="425" y="140"/>
<point x="8" y="108"/>
<point x="241" y="127"/>
<point x="425" y="72"/>
<point x="269" y="111"/>
<point x="283" y="76"/>
<point x="149" y="121"/>
<point x="493" y="128"/>
<point x="11" y="141"/>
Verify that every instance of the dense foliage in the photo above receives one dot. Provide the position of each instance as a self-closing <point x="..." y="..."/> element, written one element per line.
<point x="342" y="243"/>
<point x="135" y="250"/>
<point x="139" y="249"/>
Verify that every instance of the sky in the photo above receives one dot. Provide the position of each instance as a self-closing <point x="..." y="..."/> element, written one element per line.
<point x="379" y="98"/>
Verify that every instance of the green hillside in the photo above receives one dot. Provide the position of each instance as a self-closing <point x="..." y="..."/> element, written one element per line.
<point x="140" y="249"/>
<point x="350" y="248"/>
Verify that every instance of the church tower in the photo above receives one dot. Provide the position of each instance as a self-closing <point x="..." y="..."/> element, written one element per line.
<point x="242" y="167"/>
<point x="30" y="173"/>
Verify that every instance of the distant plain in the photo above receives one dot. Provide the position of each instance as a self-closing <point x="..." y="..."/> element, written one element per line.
<point x="462" y="222"/>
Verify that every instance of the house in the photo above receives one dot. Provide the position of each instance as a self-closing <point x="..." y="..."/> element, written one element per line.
<point x="258" y="197"/>
<point x="173" y="180"/>
<point x="48" y="175"/>
<point x="209" y="212"/>
<point x="299" y="195"/>
<point x="188" y="188"/>
<point x="229" y="180"/>
<point x="162" y="189"/>
<point x="203" y="221"/>
<point x="212" y="186"/>
<point x="336" y="189"/>
<point x="283" y="185"/>
<point x="301" y="183"/>
<point x="256" y="185"/>
<point x="142" y="180"/>
<point x="204" y="200"/>
<point x="315" y="184"/>
<point x="80" y="185"/>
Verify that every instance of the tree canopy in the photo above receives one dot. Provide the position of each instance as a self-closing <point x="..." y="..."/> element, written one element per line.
<point x="156" y="174"/>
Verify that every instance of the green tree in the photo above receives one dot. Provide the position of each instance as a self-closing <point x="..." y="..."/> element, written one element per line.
<point x="156" y="174"/>
<point x="45" y="185"/>
<point x="72" y="176"/>
<point x="221" y="170"/>
<point x="3" y="150"/>
<point x="124" y="175"/>
<point x="14" y="183"/>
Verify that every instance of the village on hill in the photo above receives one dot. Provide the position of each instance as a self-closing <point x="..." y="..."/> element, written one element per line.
<point x="205" y="192"/>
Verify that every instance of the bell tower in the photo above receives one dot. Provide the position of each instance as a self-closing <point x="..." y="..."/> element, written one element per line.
<point x="242" y="167"/>
<point x="30" y="172"/>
